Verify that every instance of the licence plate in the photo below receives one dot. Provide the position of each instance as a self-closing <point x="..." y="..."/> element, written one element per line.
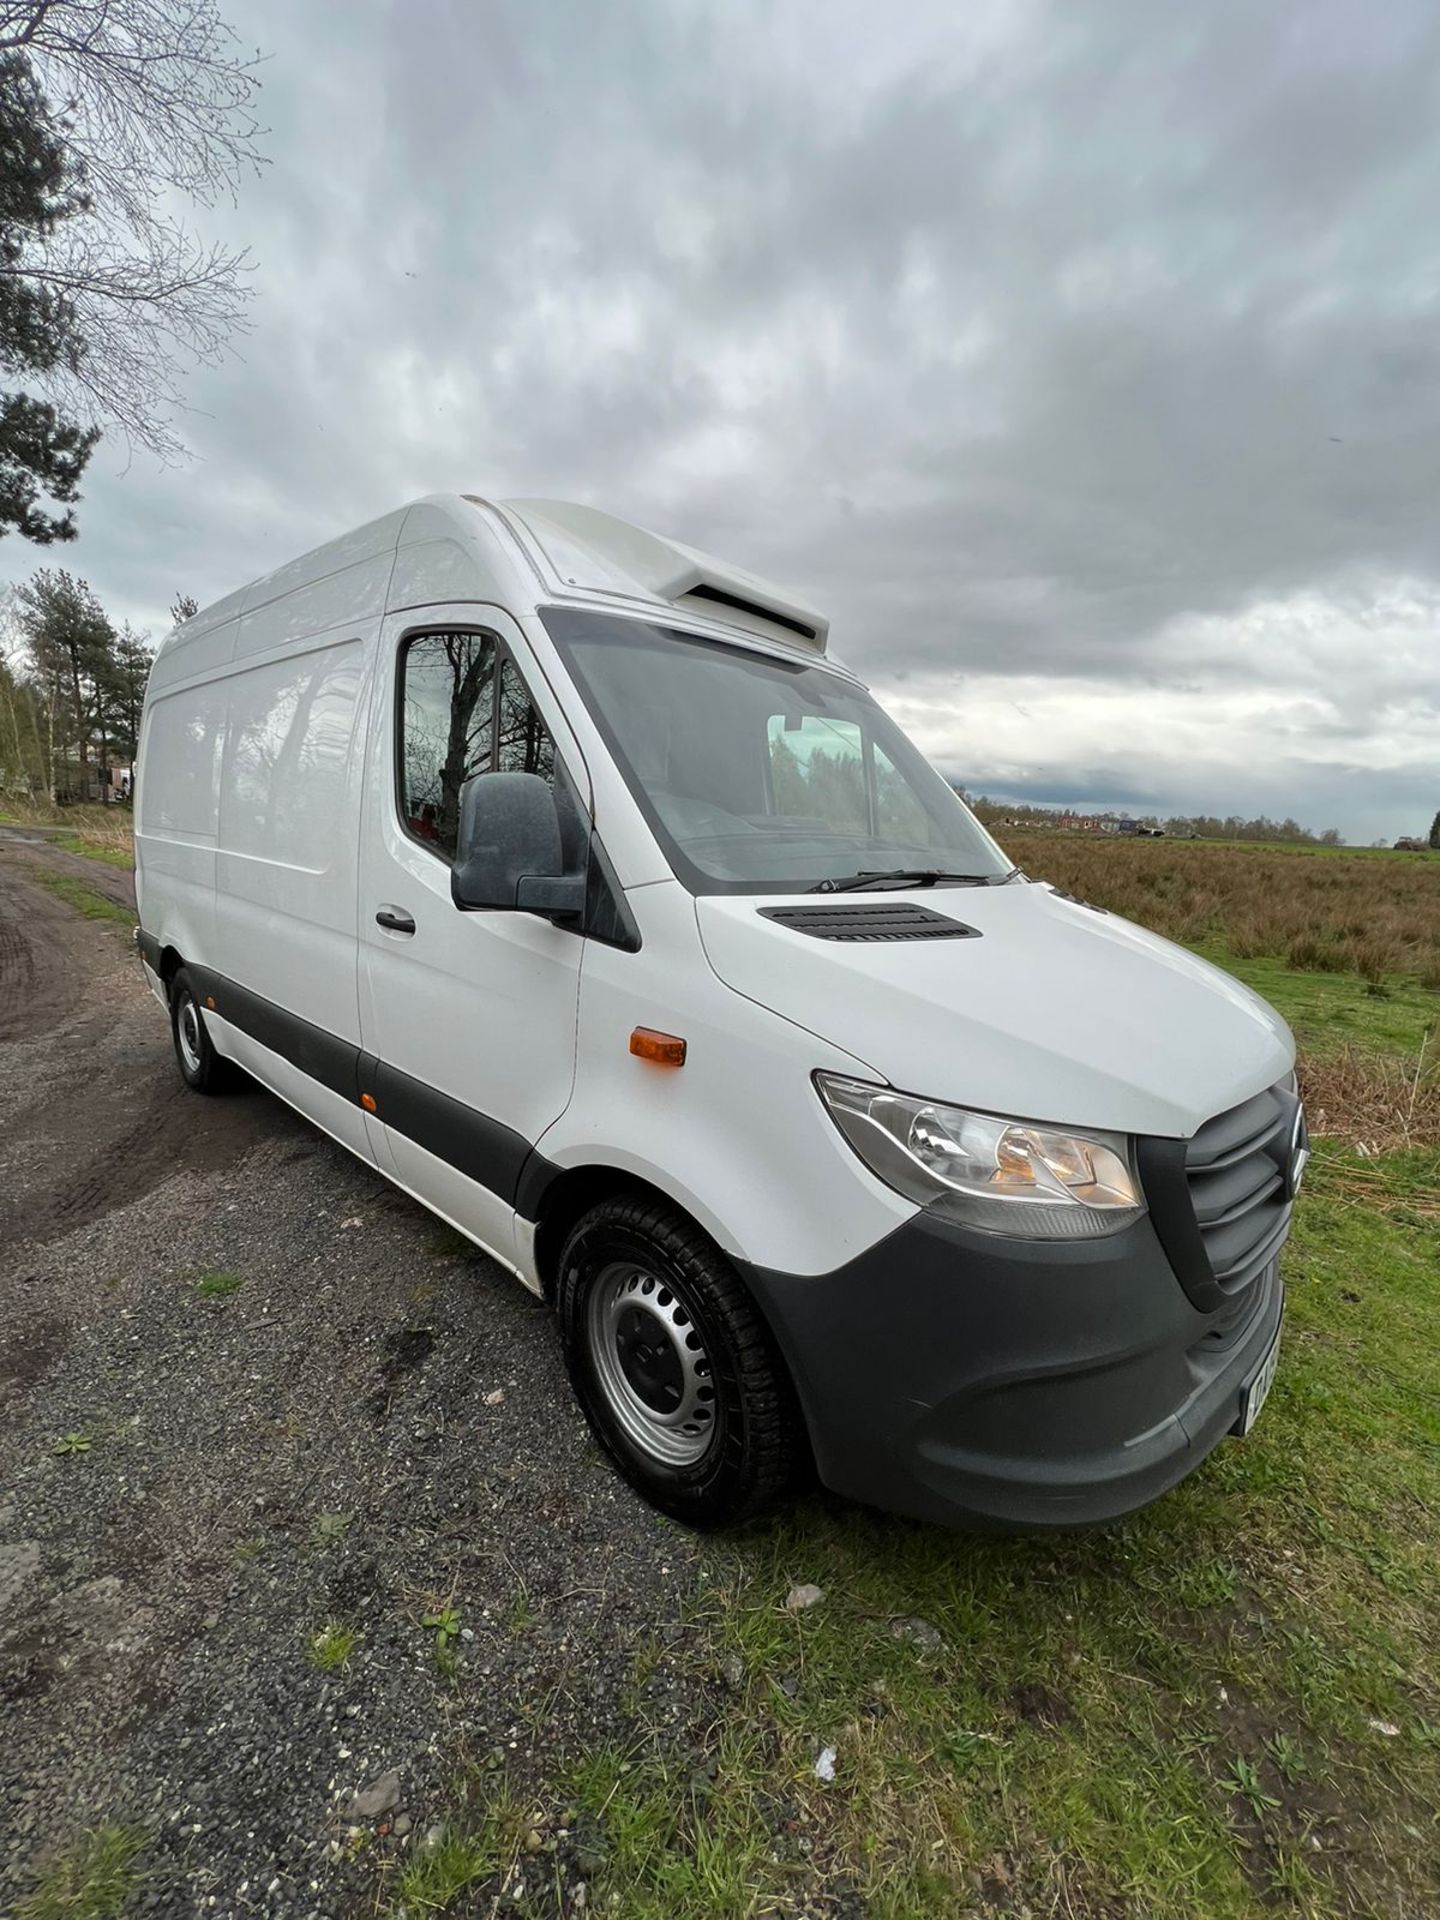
<point x="1255" y="1391"/>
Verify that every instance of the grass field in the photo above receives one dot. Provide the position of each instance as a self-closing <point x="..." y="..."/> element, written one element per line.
<point x="1321" y="910"/>
<point x="1227" y="1706"/>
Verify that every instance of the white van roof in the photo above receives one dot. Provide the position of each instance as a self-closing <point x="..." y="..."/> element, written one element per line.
<point x="585" y="548"/>
<point x="459" y="547"/>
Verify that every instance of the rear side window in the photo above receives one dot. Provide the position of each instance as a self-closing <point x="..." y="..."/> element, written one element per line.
<point x="464" y="711"/>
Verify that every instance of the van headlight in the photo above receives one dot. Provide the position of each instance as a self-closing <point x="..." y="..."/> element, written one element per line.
<point x="1004" y="1176"/>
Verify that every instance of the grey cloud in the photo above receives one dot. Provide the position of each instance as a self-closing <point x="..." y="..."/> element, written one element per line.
<point x="1027" y="339"/>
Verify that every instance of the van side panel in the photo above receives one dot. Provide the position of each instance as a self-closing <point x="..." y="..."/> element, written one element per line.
<point x="178" y="815"/>
<point x="288" y="833"/>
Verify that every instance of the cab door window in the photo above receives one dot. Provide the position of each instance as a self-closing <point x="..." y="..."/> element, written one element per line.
<point x="463" y="711"/>
<point x="447" y="729"/>
<point x="525" y="743"/>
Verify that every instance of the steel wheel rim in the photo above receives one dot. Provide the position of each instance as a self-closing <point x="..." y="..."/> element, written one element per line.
<point x="651" y="1364"/>
<point x="187" y="1032"/>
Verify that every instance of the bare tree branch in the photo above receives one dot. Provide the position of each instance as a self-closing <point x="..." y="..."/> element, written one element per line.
<point x="150" y="97"/>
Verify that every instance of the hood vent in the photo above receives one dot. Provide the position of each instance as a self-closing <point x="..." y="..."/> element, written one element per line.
<point x="870" y="920"/>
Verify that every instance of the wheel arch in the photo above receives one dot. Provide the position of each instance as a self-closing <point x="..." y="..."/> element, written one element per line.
<point x="571" y="1193"/>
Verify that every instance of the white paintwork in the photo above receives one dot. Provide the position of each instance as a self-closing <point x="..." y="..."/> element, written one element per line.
<point x="1057" y="1013"/>
<point x="574" y="547"/>
<point x="268" y="836"/>
<point x="737" y="1136"/>
<point x="480" y="1006"/>
<point x="289" y="802"/>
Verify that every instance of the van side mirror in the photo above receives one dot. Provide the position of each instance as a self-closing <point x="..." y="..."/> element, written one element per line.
<point x="510" y="853"/>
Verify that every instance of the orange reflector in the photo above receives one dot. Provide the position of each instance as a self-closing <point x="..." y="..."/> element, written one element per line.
<point x="665" y="1049"/>
<point x="210" y="1001"/>
<point x="367" y="1101"/>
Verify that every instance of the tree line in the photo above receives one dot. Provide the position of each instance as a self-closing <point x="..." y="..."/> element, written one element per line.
<point x="1202" y="826"/>
<point x="72" y="690"/>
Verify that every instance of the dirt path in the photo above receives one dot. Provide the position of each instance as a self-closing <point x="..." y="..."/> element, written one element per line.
<point x="371" y="1424"/>
<point x="93" y="1110"/>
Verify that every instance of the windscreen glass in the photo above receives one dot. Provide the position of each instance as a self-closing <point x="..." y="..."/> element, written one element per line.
<point x="762" y="775"/>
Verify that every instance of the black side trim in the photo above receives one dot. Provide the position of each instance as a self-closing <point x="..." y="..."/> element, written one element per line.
<point x="331" y="1061"/>
<point x="471" y="1142"/>
<point x="722" y="599"/>
<point x="483" y="1149"/>
<point x="537" y="1176"/>
<point x="149" y="949"/>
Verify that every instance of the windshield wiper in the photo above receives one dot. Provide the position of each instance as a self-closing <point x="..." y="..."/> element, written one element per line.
<point x="896" y="877"/>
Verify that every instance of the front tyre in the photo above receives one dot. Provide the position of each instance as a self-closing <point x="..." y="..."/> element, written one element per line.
<point x="675" y="1369"/>
<point x="201" y="1067"/>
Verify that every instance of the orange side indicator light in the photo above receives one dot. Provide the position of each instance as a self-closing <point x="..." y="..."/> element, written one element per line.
<point x="210" y="1001"/>
<point x="664" y="1049"/>
<point x="367" y="1101"/>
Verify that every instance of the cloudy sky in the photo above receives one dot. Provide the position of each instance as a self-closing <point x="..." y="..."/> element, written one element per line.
<point x="1083" y="361"/>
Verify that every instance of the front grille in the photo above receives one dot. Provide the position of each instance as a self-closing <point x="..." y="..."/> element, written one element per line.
<point x="1221" y="1201"/>
<point x="1238" y="1169"/>
<point x="870" y="920"/>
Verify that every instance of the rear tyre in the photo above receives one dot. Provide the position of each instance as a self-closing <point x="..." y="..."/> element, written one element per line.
<point x="673" y="1366"/>
<point x="201" y="1068"/>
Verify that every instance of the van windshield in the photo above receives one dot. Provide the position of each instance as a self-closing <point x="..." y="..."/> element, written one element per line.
<point x="762" y="775"/>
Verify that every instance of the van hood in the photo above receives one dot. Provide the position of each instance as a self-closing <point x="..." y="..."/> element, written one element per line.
<point x="1056" y="1012"/>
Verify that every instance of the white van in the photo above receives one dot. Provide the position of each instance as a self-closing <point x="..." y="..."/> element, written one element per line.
<point x="556" y="870"/>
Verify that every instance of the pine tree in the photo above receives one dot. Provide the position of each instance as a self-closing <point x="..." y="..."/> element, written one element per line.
<point x="1435" y="831"/>
<point x="71" y="647"/>
<point x="41" y="453"/>
<point x="123" y="690"/>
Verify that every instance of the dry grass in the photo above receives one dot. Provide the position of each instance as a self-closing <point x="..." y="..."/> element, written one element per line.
<point x="1374" y="1102"/>
<point x="107" y="833"/>
<point x="1375" y="915"/>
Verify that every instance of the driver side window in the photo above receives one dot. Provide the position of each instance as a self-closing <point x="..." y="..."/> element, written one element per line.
<point x="447" y="730"/>
<point x="463" y="711"/>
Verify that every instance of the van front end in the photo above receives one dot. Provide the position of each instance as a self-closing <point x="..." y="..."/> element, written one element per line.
<point x="992" y="1379"/>
<point x="1035" y="1279"/>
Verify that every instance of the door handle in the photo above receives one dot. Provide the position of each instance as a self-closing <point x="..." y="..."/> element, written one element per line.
<point x="394" y="921"/>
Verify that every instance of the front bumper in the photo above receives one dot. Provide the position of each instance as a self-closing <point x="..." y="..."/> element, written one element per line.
<point x="991" y="1383"/>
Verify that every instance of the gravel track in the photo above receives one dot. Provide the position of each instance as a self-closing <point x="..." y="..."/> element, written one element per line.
<point x="373" y="1423"/>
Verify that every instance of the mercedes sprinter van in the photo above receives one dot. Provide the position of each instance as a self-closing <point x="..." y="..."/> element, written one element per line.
<point x="557" y="870"/>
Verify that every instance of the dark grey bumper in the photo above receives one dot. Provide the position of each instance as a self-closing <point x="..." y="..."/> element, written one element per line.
<point x="990" y="1383"/>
